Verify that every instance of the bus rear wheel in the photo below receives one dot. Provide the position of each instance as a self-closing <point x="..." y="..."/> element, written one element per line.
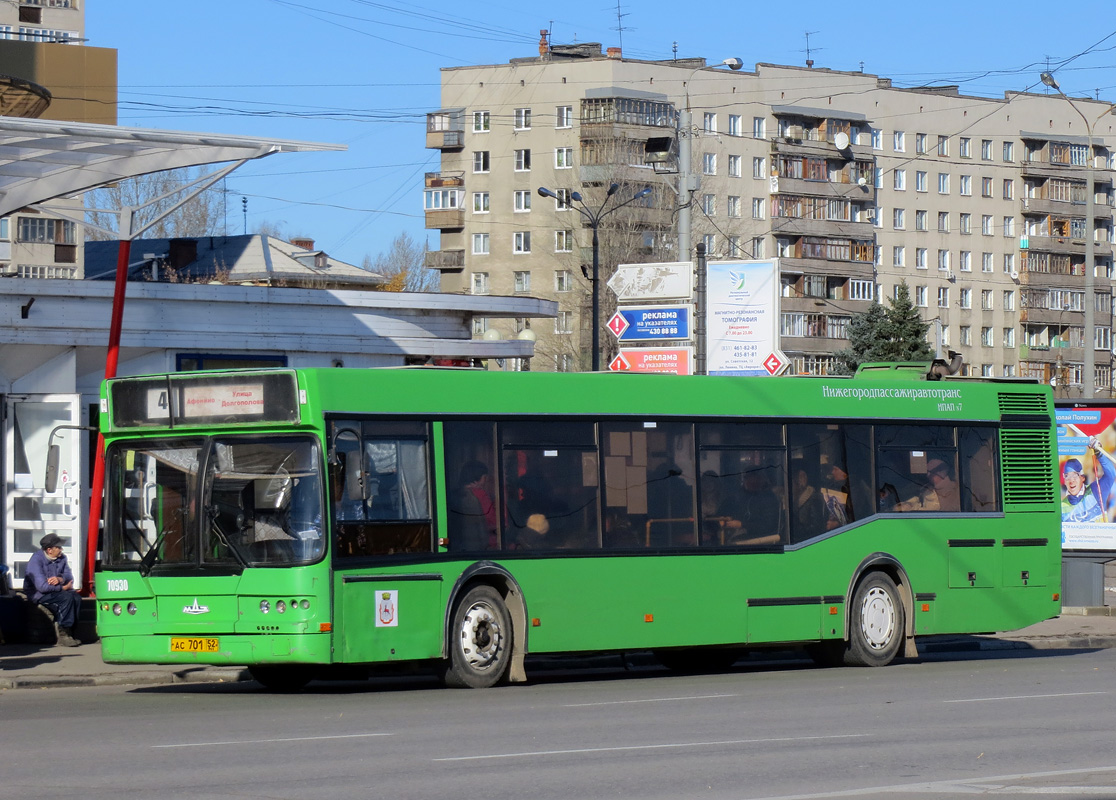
<point x="281" y="678"/>
<point x="876" y="624"/>
<point x="480" y="640"/>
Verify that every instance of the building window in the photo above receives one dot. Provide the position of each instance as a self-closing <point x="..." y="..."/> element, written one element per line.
<point x="522" y="160"/>
<point x="1009" y="189"/>
<point x="1009" y="226"/>
<point x="733" y="207"/>
<point x="734" y="125"/>
<point x="521" y="242"/>
<point x="943" y="260"/>
<point x="966" y="186"/>
<point x="522" y="280"/>
<point x="563" y="362"/>
<point x="480" y="282"/>
<point x="37" y="229"/>
<point x="563" y="117"/>
<point x="522" y="200"/>
<point x="965" y="335"/>
<point x="734" y="166"/>
<point x="1009" y="263"/>
<point x="877" y="139"/>
<point x="759" y="247"/>
<point x="943" y="297"/>
<point x="920" y="143"/>
<point x="734" y="249"/>
<point x="966" y="298"/>
<point x="759" y="128"/>
<point x="709" y="163"/>
<point x="920" y="181"/>
<point x="482" y="122"/>
<point x="920" y="220"/>
<point x="861" y="290"/>
<point x="964" y="147"/>
<point x="897" y="255"/>
<point x="759" y="167"/>
<point x="965" y="223"/>
<point x="943" y="183"/>
<point x="985" y="262"/>
<point x="480" y="161"/>
<point x="522" y="119"/>
<point x="757" y="208"/>
<point x="1009" y="300"/>
<point x="899" y="142"/>
<point x="1009" y="152"/>
<point x="563" y="200"/>
<point x="986" y="338"/>
<point x="985" y="187"/>
<point x="563" y="241"/>
<point x="943" y="145"/>
<point x="710" y="242"/>
<point x="965" y="261"/>
<point x="920" y="296"/>
<point x="920" y="258"/>
<point x="986" y="224"/>
<point x="480" y="202"/>
<point x="480" y="325"/>
<point x="943" y="222"/>
<point x="480" y="244"/>
<point x="709" y="122"/>
<point x="898" y="218"/>
<point x="563" y="280"/>
<point x="985" y="149"/>
<point x="709" y="204"/>
<point x="986" y="299"/>
<point x="563" y="323"/>
<point x="563" y="158"/>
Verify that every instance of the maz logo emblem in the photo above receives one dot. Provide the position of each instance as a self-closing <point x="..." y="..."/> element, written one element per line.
<point x="195" y="608"/>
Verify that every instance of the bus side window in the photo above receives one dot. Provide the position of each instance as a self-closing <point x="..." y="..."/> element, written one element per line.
<point x="979" y="469"/>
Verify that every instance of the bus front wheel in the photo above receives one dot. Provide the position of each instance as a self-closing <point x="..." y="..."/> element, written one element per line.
<point x="876" y="623"/>
<point x="480" y="640"/>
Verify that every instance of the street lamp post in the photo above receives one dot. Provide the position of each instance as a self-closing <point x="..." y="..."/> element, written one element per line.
<point x="594" y="219"/>
<point x="1089" y="379"/>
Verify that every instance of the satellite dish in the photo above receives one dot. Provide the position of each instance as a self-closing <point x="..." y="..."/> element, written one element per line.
<point x="841" y="140"/>
<point x="861" y="181"/>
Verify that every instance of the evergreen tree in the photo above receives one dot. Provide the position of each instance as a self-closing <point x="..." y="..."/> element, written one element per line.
<point x="893" y="334"/>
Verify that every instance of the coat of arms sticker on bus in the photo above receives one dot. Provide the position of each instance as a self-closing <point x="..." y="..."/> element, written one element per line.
<point x="387" y="612"/>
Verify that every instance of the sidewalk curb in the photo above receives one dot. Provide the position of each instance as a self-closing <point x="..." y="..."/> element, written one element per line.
<point x="1082" y="642"/>
<point x="139" y="678"/>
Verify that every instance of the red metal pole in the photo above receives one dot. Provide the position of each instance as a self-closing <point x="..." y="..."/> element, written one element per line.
<point x="111" y="358"/>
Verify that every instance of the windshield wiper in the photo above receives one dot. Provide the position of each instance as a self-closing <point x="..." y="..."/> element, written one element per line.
<point x="152" y="555"/>
<point x="216" y="528"/>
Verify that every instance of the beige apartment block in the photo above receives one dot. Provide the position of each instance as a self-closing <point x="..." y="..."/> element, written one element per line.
<point x="977" y="203"/>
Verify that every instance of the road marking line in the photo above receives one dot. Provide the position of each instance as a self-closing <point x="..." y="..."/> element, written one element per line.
<point x="268" y="741"/>
<point x="650" y="700"/>
<point x="1024" y="697"/>
<point x="652" y="747"/>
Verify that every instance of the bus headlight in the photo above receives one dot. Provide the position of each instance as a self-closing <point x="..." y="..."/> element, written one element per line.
<point x="265" y="606"/>
<point x="116" y="609"/>
<point x="281" y="606"/>
<point x="131" y="609"/>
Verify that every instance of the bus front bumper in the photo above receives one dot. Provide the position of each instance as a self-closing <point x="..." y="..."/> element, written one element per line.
<point x="221" y="649"/>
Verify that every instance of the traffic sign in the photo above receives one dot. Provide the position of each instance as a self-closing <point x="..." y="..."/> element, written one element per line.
<point x="672" y="280"/>
<point x="775" y="363"/>
<point x="668" y="360"/>
<point x="652" y="323"/>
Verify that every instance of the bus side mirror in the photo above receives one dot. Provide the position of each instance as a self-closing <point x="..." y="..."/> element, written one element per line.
<point x="54" y="453"/>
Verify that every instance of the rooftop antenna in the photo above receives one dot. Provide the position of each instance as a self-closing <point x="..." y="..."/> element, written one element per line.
<point x="620" y="24"/>
<point x="674" y="49"/>
<point x="810" y="61"/>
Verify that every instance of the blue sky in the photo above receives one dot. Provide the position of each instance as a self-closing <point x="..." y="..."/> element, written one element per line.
<point x="365" y="74"/>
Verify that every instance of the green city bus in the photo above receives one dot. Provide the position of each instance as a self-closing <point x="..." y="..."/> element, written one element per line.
<point x="316" y="523"/>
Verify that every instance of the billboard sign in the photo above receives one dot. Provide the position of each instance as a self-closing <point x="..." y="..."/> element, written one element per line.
<point x="1087" y="474"/>
<point x="651" y="323"/>
<point x="742" y="321"/>
<point x="672" y="280"/>
<point x="666" y="360"/>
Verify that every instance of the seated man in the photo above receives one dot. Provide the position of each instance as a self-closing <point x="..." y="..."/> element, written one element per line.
<point x="49" y="582"/>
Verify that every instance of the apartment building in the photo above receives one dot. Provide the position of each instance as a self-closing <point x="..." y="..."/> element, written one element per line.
<point x="42" y="56"/>
<point x="976" y="203"/>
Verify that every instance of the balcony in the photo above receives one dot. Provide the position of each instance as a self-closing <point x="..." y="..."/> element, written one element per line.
<point x="445" y="260"/>
<point x="800" y="226"/>
<point x="436" y="180"/>
<point x="445" y="130"/>
<point x="445" y="219"/>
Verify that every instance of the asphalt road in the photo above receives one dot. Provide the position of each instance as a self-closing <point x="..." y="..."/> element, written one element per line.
<point x="1015" y="723"/>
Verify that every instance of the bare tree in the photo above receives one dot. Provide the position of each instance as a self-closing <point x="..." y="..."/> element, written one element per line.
<point x="404" y="265"/>
<point x="204" y="215"/>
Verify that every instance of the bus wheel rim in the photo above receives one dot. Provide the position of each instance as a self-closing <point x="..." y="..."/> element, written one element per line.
<point x="877" y="619"/>
<point x="481" y="637"/>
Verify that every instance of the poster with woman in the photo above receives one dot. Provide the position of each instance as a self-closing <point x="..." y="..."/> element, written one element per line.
<point x="1087" y="475"/>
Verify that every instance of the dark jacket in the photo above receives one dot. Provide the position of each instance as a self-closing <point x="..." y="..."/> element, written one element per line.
<point x="39" y="569"/>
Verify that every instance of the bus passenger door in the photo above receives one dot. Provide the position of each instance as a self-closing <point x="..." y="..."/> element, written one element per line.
<point x="388" y="618"/>
<point x="30" y="512"/>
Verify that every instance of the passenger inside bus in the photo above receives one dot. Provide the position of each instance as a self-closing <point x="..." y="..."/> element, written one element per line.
<point x="761" y="510"/>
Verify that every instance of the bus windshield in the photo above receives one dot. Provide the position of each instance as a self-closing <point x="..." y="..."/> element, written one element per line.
<point x="232" y="502"/>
